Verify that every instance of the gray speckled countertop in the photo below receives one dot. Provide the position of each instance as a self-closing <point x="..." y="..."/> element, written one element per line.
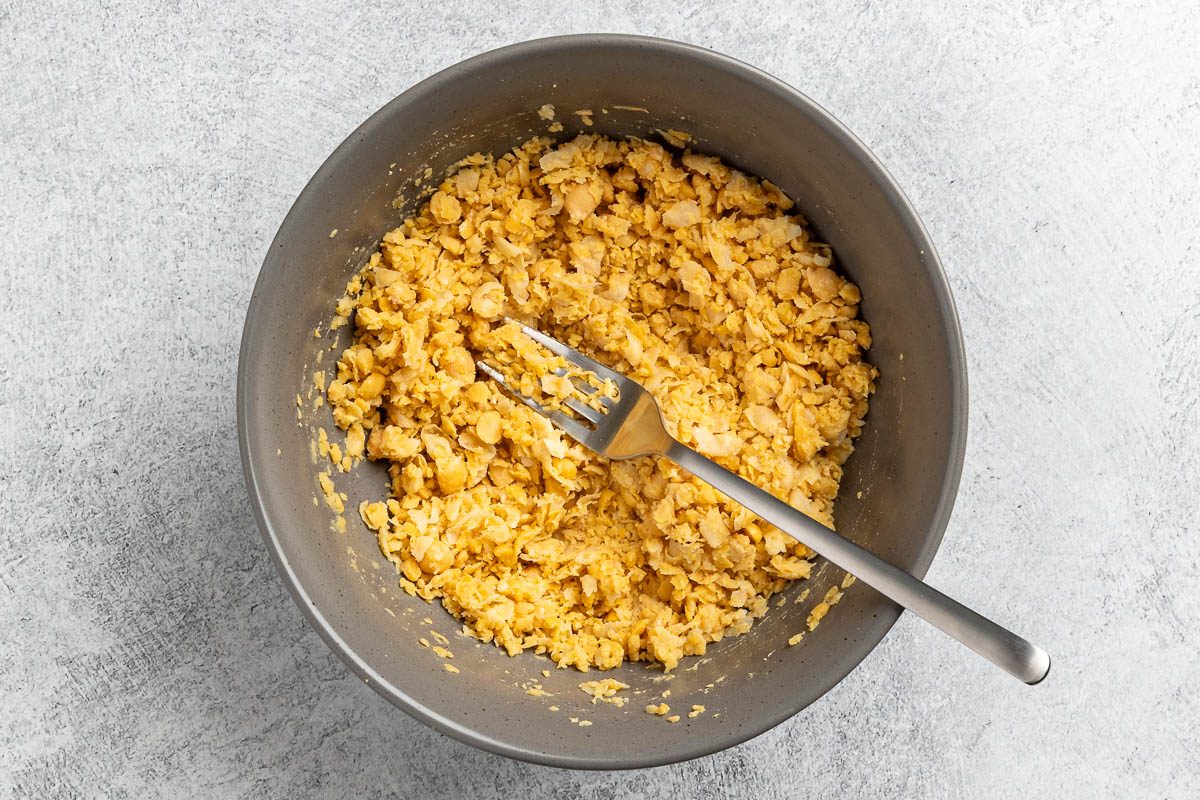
<point x="147" y="157"/>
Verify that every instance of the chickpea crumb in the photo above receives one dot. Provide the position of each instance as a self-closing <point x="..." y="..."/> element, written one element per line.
<point x="831" y="599"/>
<point x="605" y="690"/>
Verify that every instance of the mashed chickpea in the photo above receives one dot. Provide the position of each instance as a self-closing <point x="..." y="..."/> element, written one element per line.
<point x="679" y="271"/>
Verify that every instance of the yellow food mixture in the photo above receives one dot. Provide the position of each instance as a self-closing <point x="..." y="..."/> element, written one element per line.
<point x="674" y="269"/>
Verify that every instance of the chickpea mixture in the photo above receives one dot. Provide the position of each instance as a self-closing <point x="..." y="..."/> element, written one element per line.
<point x="669" y="266"/>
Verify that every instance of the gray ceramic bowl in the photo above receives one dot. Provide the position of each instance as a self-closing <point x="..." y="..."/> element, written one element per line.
<point x="899" y="485"/>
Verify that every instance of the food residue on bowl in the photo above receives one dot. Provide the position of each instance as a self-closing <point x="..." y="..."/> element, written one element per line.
<point x="605" y="690"/>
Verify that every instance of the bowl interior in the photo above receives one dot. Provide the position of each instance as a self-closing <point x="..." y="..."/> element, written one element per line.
<point x="898" y="487"/>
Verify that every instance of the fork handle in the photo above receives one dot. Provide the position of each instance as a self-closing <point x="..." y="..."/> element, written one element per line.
<point x="1002" y="647"/>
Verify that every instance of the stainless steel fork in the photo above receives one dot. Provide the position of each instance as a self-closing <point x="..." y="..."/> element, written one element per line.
<point x="632" y="426"/>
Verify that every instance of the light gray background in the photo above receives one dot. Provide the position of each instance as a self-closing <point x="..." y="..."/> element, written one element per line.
<point x="146" y="158"/>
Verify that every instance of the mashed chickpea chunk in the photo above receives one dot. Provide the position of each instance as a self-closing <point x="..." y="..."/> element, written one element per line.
<point x="684" y="274"/>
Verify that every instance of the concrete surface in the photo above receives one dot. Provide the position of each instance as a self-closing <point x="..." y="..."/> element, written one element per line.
<point x="147" y="157"/>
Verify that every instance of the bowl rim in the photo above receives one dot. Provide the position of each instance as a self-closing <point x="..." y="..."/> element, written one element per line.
<point x="891" y="192"/>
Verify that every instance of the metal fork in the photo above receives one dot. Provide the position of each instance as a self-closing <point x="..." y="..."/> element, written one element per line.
<point x="632" y="426"/>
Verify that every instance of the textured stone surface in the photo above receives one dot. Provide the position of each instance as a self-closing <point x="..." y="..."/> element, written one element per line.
<point x="146" y="158"/>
